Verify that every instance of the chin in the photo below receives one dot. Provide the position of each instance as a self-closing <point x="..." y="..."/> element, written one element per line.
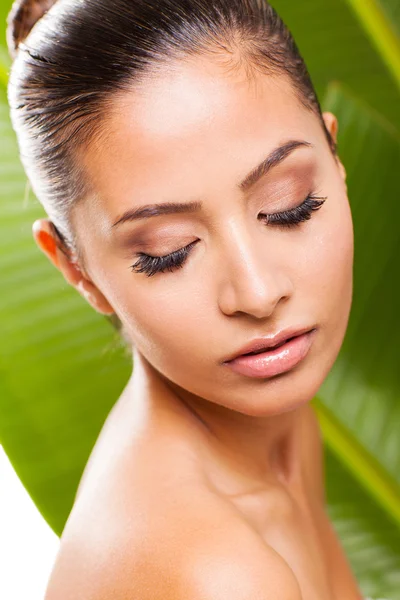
<point x="284" y="392"/>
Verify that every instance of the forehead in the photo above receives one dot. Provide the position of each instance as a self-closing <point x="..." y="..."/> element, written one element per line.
<point x="189" y="127"/>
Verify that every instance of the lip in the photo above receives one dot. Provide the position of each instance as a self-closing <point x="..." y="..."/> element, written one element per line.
<point x="269" y="340"/>
<point x="276" y="360"/>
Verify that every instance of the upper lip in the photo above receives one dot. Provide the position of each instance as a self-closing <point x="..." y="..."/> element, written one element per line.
<point x="269" y="340"/>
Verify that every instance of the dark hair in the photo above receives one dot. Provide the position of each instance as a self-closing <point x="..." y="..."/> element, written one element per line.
<point x="81" y="52"/>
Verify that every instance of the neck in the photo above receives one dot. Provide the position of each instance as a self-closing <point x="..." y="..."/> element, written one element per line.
<point x="263" y="449"/>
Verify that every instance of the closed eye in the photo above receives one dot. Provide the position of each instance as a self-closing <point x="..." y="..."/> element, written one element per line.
<point x="294" y="216"/>
<point x="158" y="264"/>
<point x="150" y="265"/>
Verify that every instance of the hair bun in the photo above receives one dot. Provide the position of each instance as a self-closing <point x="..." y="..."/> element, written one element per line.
<point x="21" y="18"/>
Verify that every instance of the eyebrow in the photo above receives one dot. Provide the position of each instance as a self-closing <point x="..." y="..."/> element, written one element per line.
<point x="272" y="160"/>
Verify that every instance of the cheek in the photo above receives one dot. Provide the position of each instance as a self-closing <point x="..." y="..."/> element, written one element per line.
<point x="328" y="265"/>
<point x="162" y="322"/>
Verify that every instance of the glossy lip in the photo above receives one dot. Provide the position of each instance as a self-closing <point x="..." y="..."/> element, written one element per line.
<point x="274" y="361"/>
<point x="268" y="341"/>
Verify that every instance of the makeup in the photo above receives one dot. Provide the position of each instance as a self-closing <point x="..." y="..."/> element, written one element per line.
<point x="274" y="361"/>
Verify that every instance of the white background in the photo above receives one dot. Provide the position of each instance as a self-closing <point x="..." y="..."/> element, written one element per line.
<point x="28" y="546"/>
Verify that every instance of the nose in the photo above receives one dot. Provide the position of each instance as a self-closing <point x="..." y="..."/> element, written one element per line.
<point x="253" y="281"/>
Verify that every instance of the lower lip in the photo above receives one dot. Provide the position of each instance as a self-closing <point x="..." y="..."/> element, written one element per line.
<point x="273" y="362"/>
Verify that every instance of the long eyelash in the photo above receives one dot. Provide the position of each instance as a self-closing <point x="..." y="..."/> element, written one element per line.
<point x="158" y="264"/>
<point x="287" y="218"/>
<point x="294" y="216"/>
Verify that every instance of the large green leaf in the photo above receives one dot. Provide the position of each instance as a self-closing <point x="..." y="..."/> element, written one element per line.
<point x="62" y="366"/>
<point x="359" y="402"/>
<point x="391" y="9"/>
<point x="338" y="44"/>
<point x="363" y="389"/>
<point x="382" y="32"/>
<point x="369" y="537"/>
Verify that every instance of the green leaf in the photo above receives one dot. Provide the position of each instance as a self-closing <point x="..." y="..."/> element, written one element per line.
<point x="391" y="9"/>
<point x="381" y="32"/>
<point x="5" y="6"/>
<point x="358" y="403"/>
<point x="336" y="46"/>
<point x="363" y="388"/>
<point x="369" y="537"/>
<point x="61" y="364"/>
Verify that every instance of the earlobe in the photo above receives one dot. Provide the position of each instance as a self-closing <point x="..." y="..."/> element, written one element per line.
<point x="342" y="170"/>
<point x="61" y="258"/>
<point x="94" y="297"/>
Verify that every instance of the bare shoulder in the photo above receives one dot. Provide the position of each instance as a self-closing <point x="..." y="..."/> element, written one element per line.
<point x="146" y="526"/>
<point x="234" y="565"/>
<point x="220" y="557"/>
<point x="194" y="546"/>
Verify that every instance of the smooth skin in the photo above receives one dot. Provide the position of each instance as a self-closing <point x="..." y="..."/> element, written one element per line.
<point x="206" y="484"/>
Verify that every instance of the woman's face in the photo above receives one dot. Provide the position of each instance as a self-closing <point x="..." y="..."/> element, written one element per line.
<point x="192" y="136"/>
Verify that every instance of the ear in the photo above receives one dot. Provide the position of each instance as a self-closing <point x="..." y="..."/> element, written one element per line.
<point x="331" y="124"/>
<point x="53" y="247"/>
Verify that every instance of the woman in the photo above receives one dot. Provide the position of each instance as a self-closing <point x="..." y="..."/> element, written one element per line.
<point x="195" y="196"/>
